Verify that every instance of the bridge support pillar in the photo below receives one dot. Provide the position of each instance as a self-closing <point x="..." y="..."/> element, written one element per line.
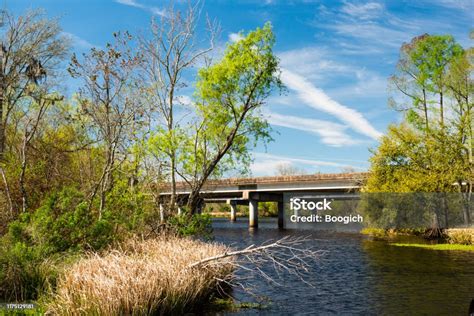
<point x="280" y="214"/>
<point x="233" y="211"/>
<point x="253" y="213"/>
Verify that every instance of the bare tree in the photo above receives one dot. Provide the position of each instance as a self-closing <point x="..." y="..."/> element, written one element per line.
<point x="109" y="99"/>
<point x="173" y="48"/>
<point x="287" y="169"/>
<point x="31" y="119"/>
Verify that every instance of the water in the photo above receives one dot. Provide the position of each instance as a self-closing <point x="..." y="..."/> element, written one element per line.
<point x="358" y="276"/>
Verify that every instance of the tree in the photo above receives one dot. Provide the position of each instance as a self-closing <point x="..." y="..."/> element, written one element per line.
<point x="287" y="169"/>
<point x="430" y="151"/>
<point x="423" y="71"/>
<point x="110" y="101"/>
<point x="31" y="47"/>
<point x="230" y="94"/>
<point x="173" y="48"/>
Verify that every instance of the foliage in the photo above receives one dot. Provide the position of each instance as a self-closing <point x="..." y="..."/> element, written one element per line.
<point x="431" y="150"/>
<point x="268" y="209"/>
<point x="445" y="247"/>
<point x="194" y="225"/>
<point x="61" y="227"/>
<point x="229" y="96"/>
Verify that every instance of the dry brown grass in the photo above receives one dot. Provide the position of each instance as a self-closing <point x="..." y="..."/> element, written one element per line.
<point x="143" y="278"/>
<point x="462" y="236"/>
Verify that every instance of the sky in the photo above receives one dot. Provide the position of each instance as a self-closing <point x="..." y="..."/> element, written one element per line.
<point x="336" y="58"/>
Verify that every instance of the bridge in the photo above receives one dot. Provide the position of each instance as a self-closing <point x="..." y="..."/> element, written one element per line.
<point x="250" y="191"/>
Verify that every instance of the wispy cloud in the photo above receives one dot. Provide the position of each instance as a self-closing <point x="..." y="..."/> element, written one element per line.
<point x="267" y="164"/>
<point x="314" y="63"/>
<point x="317" y="99"/>
<point x="331" y="133"/>
<point x="78" y="42"/>
<point x="135" y="4"/>
<point x="370" y="28"/>
<point x="235" y="37"/>
<point x="457" y="4"/>
<point x="363" y="11"/>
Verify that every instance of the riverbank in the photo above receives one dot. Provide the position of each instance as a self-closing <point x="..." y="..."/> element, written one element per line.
<point x="141" y="277"/>
<point x="450" y="247"/>
<point x="458" y="239"/>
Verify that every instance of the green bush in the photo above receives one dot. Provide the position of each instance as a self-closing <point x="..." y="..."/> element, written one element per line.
<point x="195" y="225"/>
<point x="61" y="227"/>
<point x="268" y="209"/>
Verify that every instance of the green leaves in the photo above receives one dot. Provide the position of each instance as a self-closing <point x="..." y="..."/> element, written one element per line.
<point x="230" y="94"/>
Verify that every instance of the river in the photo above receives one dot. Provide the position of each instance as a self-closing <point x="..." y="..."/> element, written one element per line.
<point x="356" y="276"/>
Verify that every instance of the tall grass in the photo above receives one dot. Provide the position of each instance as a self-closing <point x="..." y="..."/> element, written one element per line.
<point x="461" y="236"/>
<point x="142" y="278"/>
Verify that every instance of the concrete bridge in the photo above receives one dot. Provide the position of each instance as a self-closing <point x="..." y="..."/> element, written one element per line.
<point x="250" y="191"/>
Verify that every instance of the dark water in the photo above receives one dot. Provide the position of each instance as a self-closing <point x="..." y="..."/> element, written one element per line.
<point x="358" y="276"/>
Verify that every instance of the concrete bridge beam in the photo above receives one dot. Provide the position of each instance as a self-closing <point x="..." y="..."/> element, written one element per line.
<point x="253" y="213"/>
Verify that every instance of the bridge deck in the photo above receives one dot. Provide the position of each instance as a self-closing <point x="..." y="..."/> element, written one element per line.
<point x="250" y="191"/>
<point x="273" y="183"/>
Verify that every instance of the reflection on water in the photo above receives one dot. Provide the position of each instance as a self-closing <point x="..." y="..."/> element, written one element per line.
<point x="359" y="276"/>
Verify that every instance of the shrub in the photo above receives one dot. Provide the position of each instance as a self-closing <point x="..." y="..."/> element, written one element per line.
<point x="268" y="209"/>
<point x="61" y="226"/>
<point x="195" y="225"/>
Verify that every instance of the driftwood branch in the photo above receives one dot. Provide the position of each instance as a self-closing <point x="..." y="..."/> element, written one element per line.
<point x="250" y="249"/>
<point x="289" y="255"/>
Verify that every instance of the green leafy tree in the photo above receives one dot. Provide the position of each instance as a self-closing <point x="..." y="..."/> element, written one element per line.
<point x="430" y="151"/>
<point x="230" y="94"/>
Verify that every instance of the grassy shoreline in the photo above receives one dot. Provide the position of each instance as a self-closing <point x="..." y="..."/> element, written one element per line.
<point x="453" y="239"/>
<point x="443" y="247"/>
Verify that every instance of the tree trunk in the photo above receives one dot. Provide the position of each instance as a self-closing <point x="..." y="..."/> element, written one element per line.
<point x="467" y="205"/>
<point x="441" y="109"/>
<point x="7" y="191"/>
<point x="2" y="103"/>
<point x="425" y="109"/>
<point x="446" y="211"/>
<point x="24" y="197"/>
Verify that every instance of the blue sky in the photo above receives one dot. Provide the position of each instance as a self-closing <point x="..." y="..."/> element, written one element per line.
<point x="336" y="57"/>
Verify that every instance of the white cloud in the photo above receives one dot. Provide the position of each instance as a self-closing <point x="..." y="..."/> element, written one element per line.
<point x="267" y="164"/>
<point x="332" y="134"/>
<point x="363" y="11"/>
<point x="457" y="4"/>
<point x="375" y="34"/>
<point x="368" y="85"/>
<point x="78" y="41"/>
<point x="313" y="63"/>
<point x="135" y="4"/>
<point x="184" y="100"/>
<point x="317" y="99"/>
<point x="235" y="37"/>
